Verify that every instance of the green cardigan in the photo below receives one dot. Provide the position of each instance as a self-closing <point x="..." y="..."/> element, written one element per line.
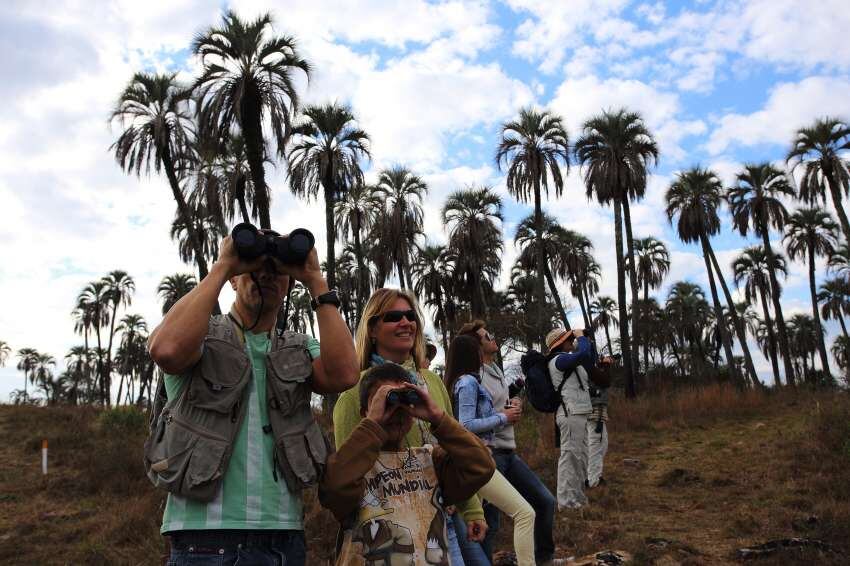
<point x="347" y="417"/>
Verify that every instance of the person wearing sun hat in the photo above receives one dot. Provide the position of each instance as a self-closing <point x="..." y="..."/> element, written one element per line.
<point x="571" y="356"/>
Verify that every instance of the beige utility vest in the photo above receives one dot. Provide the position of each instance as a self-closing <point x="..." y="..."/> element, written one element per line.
<point x="191" y="436"/>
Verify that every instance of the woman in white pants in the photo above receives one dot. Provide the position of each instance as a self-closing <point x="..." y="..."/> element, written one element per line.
<point x="571" y="356"/>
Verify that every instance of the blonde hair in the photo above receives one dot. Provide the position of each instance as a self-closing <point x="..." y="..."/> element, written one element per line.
<point x="380" y="302"/>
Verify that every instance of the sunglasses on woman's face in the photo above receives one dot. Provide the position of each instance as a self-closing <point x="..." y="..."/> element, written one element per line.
<point x="487" y="336"/>
<point x="396" y="316"/>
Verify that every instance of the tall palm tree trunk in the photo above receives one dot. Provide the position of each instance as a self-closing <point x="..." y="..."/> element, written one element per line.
<point x="186" y="215"/>
<point x="736" y="321"/>
<point x="554" y="290"/>
<point x="646" y="342"/>
<point x="835" y="193"/>
<point x="240" y="199"/>
<point x="581" y="303"/>
<point x="99" y="362"/>
<point x="108" y="369"/>
<point x="630" y="249"/>
<point x="824" y="360"/>
<point x="625" y="342"/>
<point x="541" y="261"/>
<point x="777" y="310"/>
<point x="362" y="280"/>
<point x="843" y="325"/>
<point x="330" y="191"/>
<point x="718" y="313"/>
<point x="608" y="338"/>
<point x="442" y="314"/>
<point x="252" y="132"/>
<point x="400" y="269"/>
<point x="771" y="337"/>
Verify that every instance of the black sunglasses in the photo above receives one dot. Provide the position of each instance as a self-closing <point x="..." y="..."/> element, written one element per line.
<point x="396" y="316"/>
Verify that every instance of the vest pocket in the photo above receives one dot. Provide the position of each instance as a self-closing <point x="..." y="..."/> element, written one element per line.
<point x="302" y="456"/>
<point x="288" y="371"/>
<point x="220" y="376"/>
<point x="184" y="458"/>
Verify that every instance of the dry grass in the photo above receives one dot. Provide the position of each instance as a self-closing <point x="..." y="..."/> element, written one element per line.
<point x="692" y="476"/>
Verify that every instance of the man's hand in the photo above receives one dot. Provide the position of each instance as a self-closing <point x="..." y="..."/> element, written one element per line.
<point x="378" y="410"/>
<point x="578" y="332"/>
<point x="475" y="530"/>
<point x="427" y="409"/>
<point x="232" y="264"/>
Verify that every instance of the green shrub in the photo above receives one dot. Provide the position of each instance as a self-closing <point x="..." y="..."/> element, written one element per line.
<point x="123" y="420"/>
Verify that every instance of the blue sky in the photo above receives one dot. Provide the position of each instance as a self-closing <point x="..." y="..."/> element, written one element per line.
<point x="719" y="83"/>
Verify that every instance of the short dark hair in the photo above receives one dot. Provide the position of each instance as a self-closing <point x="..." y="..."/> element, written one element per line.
<point x="464" y="357"/>
<point x="472" y="328"/>
<point x="380" y="374"/>
<point x="430" y="351"/>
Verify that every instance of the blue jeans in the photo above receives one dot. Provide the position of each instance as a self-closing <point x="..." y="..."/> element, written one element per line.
<point x="473" y="553"/>
<point x="232" y="547"/>
<point x="532" y="490"/>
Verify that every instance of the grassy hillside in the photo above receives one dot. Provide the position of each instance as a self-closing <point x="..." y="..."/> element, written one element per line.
<point x="692" y="476"/>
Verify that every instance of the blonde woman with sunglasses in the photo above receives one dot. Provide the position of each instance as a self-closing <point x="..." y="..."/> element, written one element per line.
<point x="390" y="330"/>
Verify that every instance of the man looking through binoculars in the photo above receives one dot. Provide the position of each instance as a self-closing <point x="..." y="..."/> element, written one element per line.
<point x="236" y="441"/>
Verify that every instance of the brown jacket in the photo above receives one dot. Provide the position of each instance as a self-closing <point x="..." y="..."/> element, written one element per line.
<point x="462" y="463"/>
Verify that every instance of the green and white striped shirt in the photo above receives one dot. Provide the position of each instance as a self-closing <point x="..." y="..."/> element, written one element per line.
<point x="249" y="496"/>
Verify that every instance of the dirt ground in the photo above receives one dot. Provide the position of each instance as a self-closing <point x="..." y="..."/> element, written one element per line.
<point x="682" y="493"/>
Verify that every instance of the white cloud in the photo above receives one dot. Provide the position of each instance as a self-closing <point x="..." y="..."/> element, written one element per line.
<point x="789" y="106"/>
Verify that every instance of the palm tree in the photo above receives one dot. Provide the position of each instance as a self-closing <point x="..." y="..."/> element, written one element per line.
<point x="95" y="297"/>
<point x="77" y="367"/>
<point x="5" y="350"/>
<point x="552" y="239"/>
<point x="157" y="128"/>
<point x="133" y="330"/>
<point x="248" y="78"/>
<point x="841" y="352"/>
<point x="325" y="151"/>
<point x="839" y="260"/>
<point x="433" y="274"/>
<point x="694" y="196"/>
<point x="756" y="199"/>
<point x="616" y="150"/>
<point x="812" y="232"/>
<point x="173" y="287"/>
<point x="653" y="264"/>
<point x="689" y="314"/>
<point x="119" y="291"/>
<point x="751" y="269"/>
<point x="574" y="261"/>
<point x="834" y="295"/>
<point x="820" y="148"/>
<point x="533" y="148"/>
<point x="400" y="223"/>
<point x="210" y="227"/>
<point x="473" y="218"/>
<point x="43" y="374"/>
<point x="804" y="343"/>
<point x="237" y="187"/>
<point x="27" y="360"/>
<point x="355" y="214"/>
<point x="603" y="311"/>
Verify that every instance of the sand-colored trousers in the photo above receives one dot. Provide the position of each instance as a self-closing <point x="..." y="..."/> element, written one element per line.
<point x="502" y="494"/>
<point x="597" y="447"/>
<point x="572" y="463"/>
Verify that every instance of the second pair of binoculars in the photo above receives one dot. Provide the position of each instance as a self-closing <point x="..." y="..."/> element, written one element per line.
<point x="403" y="397"/>
<point x="291" y="249"/>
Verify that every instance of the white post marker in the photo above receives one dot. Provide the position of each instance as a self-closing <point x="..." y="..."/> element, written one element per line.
<point x="44" y="457"/>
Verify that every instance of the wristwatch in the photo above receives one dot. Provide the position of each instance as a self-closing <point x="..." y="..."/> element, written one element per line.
<point x="329" y="298"/>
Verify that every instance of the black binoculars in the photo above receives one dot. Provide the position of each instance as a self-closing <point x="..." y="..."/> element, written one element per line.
<point x="403" y="397"/>
<point x="293" y="249"/>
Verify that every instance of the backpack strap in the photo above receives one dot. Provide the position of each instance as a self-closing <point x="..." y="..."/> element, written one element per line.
<point x="560" y="387"/>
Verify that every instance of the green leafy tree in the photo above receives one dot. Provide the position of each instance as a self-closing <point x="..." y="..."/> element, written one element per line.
<point x="695" y="197"/>
<point x="689" y="314"/>
<point x="574" y="262"/>
<point x="401" y="219"/>
<point x="756" y="203"/>
<point x="752" y="269"/>
<point x="42" y="373"/>
<point x="653" y="264"/>
<point x="27" y="362"/>
<point x="616" y="150"/>
<point x="433" y="276"/>
<point x="533" y="148"/>
<point x="819" y="149"/>
<point x="811" y="232"/>
<point x="834" y="298"/>
<point x="604" y="313"/>
<point x="119" y="292"/>
<point x="325" y="151"/>
<point x="157" y="127"/>
<point x="355" y="214"/>
<point x="473" y="218"/>
<point x="96" y="298"/>
<point x="248" y="80"/>
<point x="172" y="288"/>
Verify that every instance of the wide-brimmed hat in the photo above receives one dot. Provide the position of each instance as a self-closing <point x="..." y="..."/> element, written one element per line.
<point x="557" y="336"/>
